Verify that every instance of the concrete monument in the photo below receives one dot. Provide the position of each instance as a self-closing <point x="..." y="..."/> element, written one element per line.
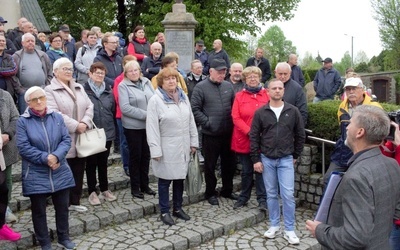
<point x="179" y="34"/>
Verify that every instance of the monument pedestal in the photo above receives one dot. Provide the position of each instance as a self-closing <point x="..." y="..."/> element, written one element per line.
<point x="179" y="34"/>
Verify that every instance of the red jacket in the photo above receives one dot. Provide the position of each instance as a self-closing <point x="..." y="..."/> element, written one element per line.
<point x="243" y="109"/>
<point x="390" y="151"/>
<point x="117" y="81"/>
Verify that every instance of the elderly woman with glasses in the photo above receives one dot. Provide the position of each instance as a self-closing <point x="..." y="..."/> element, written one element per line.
<point x="55" y="50"/>
<point x="172" y="137"/>
<point x="102" y="97"/>
<point x="69" y="98"/>
<point x="43" y="142"/>
<point x="246" y="102"/>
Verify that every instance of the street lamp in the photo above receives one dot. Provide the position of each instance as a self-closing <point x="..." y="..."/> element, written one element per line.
<point x="352" y="57"/>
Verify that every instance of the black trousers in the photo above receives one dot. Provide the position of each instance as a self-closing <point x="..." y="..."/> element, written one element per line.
<point x="139" y="158"/>
<point x="214" y="147"/>
<point x="98" y="162"/>
<point x="3" y="197"/>
<point x="77" y="166"/>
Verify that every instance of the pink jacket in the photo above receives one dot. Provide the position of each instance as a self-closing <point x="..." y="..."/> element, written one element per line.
<point x="59" y="100"/>
<point x="243" y="109"/>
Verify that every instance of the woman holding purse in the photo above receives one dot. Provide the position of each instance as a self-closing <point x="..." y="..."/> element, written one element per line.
<point x="172" y="137"/>
<point x="101" y="95"/>
<point x="69" y="98"/>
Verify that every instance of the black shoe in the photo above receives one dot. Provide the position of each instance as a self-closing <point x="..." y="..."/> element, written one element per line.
<point x="167" y="219"/>
<point x="149" y="191"/>
<point x="127" y="172"/>
<point x="138" y="194"/>
<point x="262" y="206"/>
<point x="239" y="204"/>
<point x="181" y="215"/>
<point x="232" y="196"/>
<point x="213" y="200"/>
<point x="117" y="149"/>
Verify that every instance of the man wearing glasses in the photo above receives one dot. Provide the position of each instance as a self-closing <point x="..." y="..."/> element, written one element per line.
<point x="110" y="57"/>
<point x="356" y="96"/>
<point x="34" y="69"/>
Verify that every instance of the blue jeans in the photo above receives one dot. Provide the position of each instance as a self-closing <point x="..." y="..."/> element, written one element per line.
<point x="21" y="103"/>
<point x="163" y="192"/>
<point x="395" y="238"/>
<point x="123" y="145"/>
<point x="280" y="172"/>
<point x="61" y="201"/>
<point x="247" y="180"/>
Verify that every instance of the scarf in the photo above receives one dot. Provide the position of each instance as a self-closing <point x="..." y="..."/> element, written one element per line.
<point x="97" y="90"/>
<point x="171" y="96"/>
<point x="58" y="51"/>
<point x="253" y="90"/>
<point x="141" y="40"/>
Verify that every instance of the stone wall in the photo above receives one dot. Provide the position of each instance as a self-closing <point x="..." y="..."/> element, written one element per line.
<point x="308" y="183"/>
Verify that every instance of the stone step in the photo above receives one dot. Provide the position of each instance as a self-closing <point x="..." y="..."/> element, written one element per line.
<point x="109" y="213"/>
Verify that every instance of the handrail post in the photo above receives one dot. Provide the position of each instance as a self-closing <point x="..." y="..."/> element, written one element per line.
<point x="323" y="158"/>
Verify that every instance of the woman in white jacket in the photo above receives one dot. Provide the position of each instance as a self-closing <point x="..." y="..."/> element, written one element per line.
<point x="172" y="137"/>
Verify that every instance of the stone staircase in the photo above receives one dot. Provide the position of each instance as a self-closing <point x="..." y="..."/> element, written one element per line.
<point x="134" y="224"/>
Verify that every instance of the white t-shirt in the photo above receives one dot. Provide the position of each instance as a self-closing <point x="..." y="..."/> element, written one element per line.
<point x="277" y="111"/>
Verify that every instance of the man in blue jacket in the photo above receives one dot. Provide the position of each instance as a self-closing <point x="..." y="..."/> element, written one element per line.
<point x="326" y="82"/>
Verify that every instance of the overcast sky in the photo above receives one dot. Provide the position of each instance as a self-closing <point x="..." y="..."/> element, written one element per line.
<point x="321" y="25"/>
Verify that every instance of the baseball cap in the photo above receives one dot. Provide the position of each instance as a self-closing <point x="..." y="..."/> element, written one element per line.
<point x="327" y="60"/>
<point x="218" y="64"/>
<point x="200" y="42"/>
<point x="2" y="20"/>
<point x="353" y="82"/>
<point x="64" y="28"/>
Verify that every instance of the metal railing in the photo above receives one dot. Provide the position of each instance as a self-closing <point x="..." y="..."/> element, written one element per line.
<point x="317" y="139"/>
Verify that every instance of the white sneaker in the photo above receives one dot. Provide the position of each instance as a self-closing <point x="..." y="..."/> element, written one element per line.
<point x="272" y="232"/>
<point x="291" y="237"/>
<point x="94" y="199"/>
<point x="10" y="217"/>
<point x="108" y="196"/>
<point x="77" y="208"/>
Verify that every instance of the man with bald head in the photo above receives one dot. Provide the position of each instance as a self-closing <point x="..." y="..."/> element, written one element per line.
<point x="235" y="77"/>
<point x="34" y="68"/>
<point x="151" y="65"/>
<point x="296" y="74"/>
<point x="294" y="93"/>
<point x="27" y="27"/>
<point x="17" y="31"/>
<point x="219" y="53"/>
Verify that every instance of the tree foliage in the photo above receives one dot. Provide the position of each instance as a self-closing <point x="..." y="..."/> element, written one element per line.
<point x="277" y="48"/>
<point x="224" y="19"/>
<point x="388" y="18"/>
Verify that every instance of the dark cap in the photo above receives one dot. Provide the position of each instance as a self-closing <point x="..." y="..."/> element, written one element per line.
<point x="327" y="60"/>
<point x="2" y="20"/>
<point x="218" y="64"/>
<point x="64" y="28"/>
<point x="199" y="42"/>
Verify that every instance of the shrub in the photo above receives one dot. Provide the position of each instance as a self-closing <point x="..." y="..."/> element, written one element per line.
<point x="322" y="119"/>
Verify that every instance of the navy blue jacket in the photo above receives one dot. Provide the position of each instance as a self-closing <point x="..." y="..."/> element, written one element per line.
<point x="38" y="137"/>
<point x="263" y="65"/>
<point x="113" y="65"/>
<point x="326" y="84"/>
<point x="203" y="58"/>
<point x="297" y="75"/>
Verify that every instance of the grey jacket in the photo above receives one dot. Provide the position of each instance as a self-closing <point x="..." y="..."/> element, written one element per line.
<point x="8" y="122"/>
<point x="364" y="205"/>
<point x="133" y="100"/>
<point x="83" y="63"/>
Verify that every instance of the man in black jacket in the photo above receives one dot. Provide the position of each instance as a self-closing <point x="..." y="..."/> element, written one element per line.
<point x="260" y="61"/>
<point x="277" y="137"/>
<point x="212" y="101"/>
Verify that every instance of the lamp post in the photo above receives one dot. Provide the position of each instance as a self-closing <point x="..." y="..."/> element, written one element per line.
<point x="352" y="57"/>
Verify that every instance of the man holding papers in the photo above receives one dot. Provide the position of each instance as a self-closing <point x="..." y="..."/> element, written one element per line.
<point x="368" y="197"/>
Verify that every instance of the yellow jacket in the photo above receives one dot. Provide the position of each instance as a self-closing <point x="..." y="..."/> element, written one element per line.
<point x="344" y="106"/>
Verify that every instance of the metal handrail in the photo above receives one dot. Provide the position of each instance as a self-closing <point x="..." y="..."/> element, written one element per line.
<point x="317" y="139"/>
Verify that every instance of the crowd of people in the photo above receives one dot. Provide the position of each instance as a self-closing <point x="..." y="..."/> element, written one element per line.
<point x="53" y="88"/>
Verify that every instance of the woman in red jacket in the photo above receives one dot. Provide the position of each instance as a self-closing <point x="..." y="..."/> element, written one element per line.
<point x="392" y="149"/>
<point x="247" y="101"/>
<point x="139" y="46"/>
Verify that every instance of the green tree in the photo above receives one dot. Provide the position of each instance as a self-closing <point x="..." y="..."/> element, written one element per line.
<point x="309" y="62"/>
<point x="361" y="57"/>
<point x="388" y="18"/>
<point x="224" y="19"/>
<point x="276" y="47"/>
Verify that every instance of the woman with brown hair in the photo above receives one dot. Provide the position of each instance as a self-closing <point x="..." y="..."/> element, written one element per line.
<point x="139" y="46"/>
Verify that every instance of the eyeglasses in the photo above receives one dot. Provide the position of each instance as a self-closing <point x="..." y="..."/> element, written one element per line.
<point x="37" y="99"/>
<point x="56" y="41"/>
<point x="99" y="73"/>
<point x="252" y="77"/>
<point x="348" y="89"/>
<point x="65" y="69"/>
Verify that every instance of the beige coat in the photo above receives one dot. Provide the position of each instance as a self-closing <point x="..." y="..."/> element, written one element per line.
<point x="171" y="132"/>
<point x="59" y="100"/>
